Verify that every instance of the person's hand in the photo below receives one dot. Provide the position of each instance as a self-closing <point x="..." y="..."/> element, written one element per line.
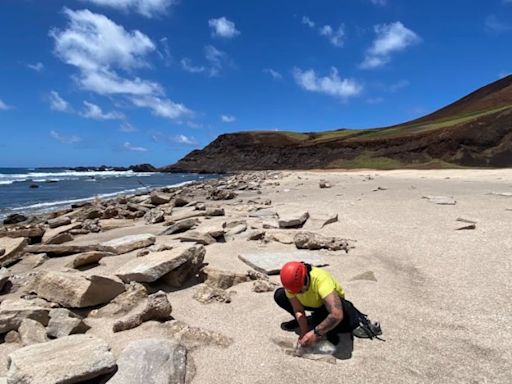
<point x="308" y="339"/>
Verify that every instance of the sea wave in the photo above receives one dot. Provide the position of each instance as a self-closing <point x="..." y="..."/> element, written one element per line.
<point x="6" y="179"/>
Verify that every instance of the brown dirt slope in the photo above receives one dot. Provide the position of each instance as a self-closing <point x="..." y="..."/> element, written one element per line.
<point x="474" y="131"/>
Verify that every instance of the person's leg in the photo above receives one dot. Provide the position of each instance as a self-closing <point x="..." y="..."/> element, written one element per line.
<point x="281" y="300"/>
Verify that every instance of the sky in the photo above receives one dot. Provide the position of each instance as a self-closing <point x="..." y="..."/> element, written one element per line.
<point x="121" y="82"/>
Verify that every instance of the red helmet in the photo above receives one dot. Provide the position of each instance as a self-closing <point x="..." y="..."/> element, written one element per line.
<point x="293" y="276"/>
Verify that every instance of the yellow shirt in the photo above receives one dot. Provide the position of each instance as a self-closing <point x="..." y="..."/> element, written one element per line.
<point x="321" y="285"/>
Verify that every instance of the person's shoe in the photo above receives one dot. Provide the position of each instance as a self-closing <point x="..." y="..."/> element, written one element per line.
<point x="290" y="326"/>
<point x="365" y="333"/>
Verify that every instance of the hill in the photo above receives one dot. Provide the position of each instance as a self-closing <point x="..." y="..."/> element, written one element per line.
<point x="475" y="131"/>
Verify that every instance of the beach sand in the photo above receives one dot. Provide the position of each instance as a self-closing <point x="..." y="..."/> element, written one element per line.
<point x="443" y="296"/>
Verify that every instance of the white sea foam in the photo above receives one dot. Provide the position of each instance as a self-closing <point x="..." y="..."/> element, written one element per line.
<point x="6" y="179"/>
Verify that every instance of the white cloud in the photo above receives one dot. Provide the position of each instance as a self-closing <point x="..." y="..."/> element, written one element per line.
<point x="162" y="107"/>
<point x="391" y="38"/>
<point x="307" y="21"/>
<point x="275" y="75"/>
<point x="335" y="37"/>
<point x="223" y="27"/>
<point x="57" y="103"/>
<point x="186" y="64"/>
<point x="182" y="139"/>
<point x="216" y="59"/>
<point x="127" y="127"/>
<point x="3" y="106"/>
<point x="331" y="85"/>
<point x="495" y="25"/>
<point x="227" y="118"/>
<point x="100" y="49"/>
<point x="165" y="52"/>
<point x="38" y="67"/>
<point x="65" y="139"/>
<point x="128" y="146"/>
<point x="92" y="111"/>
<point x="147" y="8"/>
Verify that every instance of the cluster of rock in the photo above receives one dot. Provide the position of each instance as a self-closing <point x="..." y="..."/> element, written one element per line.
<point x="49" y="313"/>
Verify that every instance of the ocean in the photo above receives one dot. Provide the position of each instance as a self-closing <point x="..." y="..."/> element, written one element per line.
<point x="61" y="187"/>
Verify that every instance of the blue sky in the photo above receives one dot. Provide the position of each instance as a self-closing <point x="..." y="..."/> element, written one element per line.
<point x="120" y="82"/>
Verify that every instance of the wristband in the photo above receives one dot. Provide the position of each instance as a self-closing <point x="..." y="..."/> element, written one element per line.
<point x="316" y="332"/>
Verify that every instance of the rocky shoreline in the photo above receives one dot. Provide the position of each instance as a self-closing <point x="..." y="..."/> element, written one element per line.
<point x="58" y="291"/>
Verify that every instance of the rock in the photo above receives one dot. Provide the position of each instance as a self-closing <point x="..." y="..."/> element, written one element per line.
<point x="215" y="211"/>
<point x="87" y="258"/>
<point x="217" y="278"/>
<point x="215" y="230"/>
<point x="107" y="225"/>
<point x="15" y="218"/>
<point x="75" y="290"/>
<point x="206" y="295"/>
<point x="70" y="359"/>
<point x="64" y="323"/>
<point x="181" y="201"/>
<point x="280" y="237"/>
<point x="157" y="264"/>
<point x="200" y="206"/>
<point x="235" y="227"/>
<point x="324" y="184"/>
<point x="130" y="243"/>
<point x="260" y="286"/>
<point x="12" y="313"/>
<point x="56" y="250"/>
<point x="143" y="253"/>
<point x="92" y="225"/>
<point x="158" y="198"/>
<point x="221" y="194"/>
<point x="4" y="277"/>
<point x="59" y="221"/>
<point x="293" y="221"/>
<point x="110" y="213"/>
<point x="12" y="337"/>
<point x="155" y="361"/>
<point x="91" y="214"/>
<point x="34" y="233"/>
<point x="157" y="307"/>
<point x="30" y="262"/>
<point x="154" y="216"/>
<point x="179" y="276"/>
<point x="13" y="248"/>
<point x="197" y="237"/>
<point x="314" y="241"/>
<point x="440" y="200"/>
<point x="379" y="189"/>
<point x="32" y="332"/>
<point x="61" y="238"/>
<point x="466" y="220"/>
<point x="264" y="214"/>
<point x="368" y="275"/>
<point x="180" y="226"/>
<point x="467" y="227"/>
<point x="124" y="303"/>
<point x="270" y="262"/>
<point x="255" y="234"/>
<point x="50" y="234"/>
<point x="329" y="220"/>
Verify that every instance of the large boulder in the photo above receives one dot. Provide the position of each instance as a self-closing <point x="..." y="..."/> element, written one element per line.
<point x="59" y="221"/>
<point x="70" y="359"/>
<point x="156" y="307"/>
<point x="154" y="216"/>
<point x="15" y="218"/>
<point x="32" y="232"/>
<point x="179" y="276"/>
<point x="63" y="322"/>
<point x="12" y="247"/>
<point x="152" y="361"/>
<point x="12" y="313"/>
<point x="159" y="198"/>
<point x="130" y="243"/>
<point x="155" y="265"/>
<point x="75" y="290"/>
<point x="32" y="332"/>
<point x="218" y="278"/>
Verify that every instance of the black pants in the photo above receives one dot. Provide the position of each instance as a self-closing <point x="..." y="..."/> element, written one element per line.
<point x="319" y="314"/>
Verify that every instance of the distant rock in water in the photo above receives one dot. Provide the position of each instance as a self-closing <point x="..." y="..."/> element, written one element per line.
<point x="103" y="168"/>
<point x="143" y="168"/>
<point x="475" y="131"/>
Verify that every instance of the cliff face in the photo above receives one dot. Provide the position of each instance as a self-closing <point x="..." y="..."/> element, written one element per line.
<point x="474" y="131"/>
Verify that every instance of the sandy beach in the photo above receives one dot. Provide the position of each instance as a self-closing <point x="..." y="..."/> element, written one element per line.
<point x="442" y="295"/>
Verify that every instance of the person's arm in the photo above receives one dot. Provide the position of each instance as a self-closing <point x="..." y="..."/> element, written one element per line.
<point x="300" y="315"/>
<point x="333" y="304"/>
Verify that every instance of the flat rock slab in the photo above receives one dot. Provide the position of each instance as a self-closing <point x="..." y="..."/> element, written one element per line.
<point x="12" y="313"/>
<point x="152" y="361"/>
<point x="441" y="200"/>
<point x="75" y="290"/>
<point x="12" y="247"/>
<point x="4" y="277"/>
<point x="51" y="234"/>
<point x="270" y="262"/>
<point x="70" y="359"/>
<point x="56" y="250"/>
<point x="88" y="258"/>
<point x="109" y="224"/>
<point x="155" y="265"/>
<point x="130" y="243"/>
